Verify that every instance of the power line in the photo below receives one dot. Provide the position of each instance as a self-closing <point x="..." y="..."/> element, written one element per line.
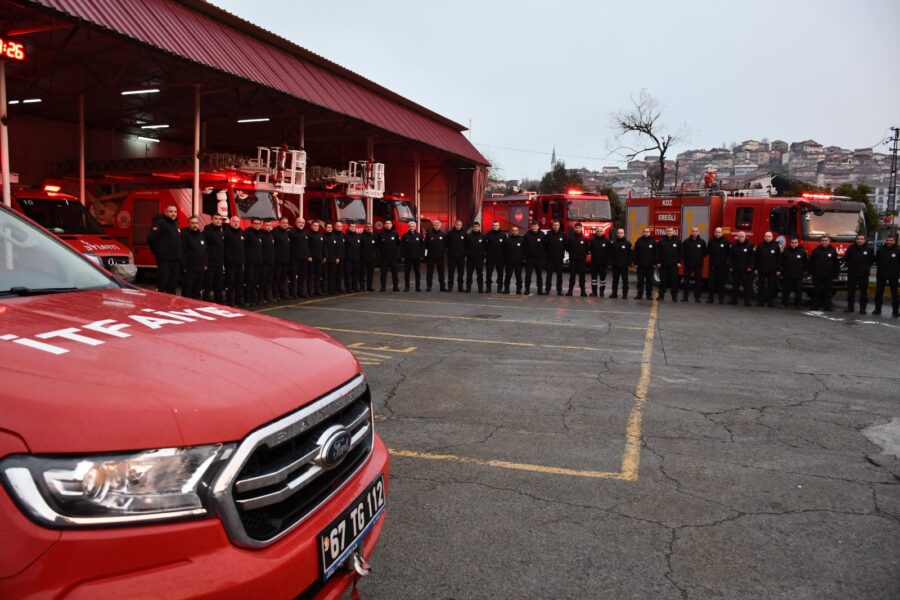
<point x="541" y="152"/>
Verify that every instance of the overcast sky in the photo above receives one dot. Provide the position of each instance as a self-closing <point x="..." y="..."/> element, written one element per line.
<point x="533" y="75"/>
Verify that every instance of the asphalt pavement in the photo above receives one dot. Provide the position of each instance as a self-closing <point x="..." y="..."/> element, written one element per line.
<point x="568" y="447"/>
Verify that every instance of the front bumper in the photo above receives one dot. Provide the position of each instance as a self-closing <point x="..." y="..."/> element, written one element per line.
<point x="193" y="559"/>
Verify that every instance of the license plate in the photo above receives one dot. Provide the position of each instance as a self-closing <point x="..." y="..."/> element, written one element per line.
<point x="344" y="534"/>
<point x="842" y="277"/>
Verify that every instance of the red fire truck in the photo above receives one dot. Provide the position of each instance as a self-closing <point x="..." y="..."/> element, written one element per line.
<point x="754" y="212"/>
<point x="591" y="210"/>
<point x="395" y="207"/>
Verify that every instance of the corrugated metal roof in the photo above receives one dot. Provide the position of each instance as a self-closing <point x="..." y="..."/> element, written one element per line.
<point x="207" y="35"/>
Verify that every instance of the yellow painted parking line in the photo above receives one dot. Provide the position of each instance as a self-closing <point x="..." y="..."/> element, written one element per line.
<point x="502" y="464"/>
<point x="471" y="340"/>
<point x="531" y="306"/>
<point x="305" y="302"/>
<point x="460" y="318"/>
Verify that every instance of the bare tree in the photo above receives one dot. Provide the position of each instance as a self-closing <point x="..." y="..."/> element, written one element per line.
<point x="639" y="130"/>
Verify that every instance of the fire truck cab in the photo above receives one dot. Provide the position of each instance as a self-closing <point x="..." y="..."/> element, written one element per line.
<point x="574" y="206"/>
<point x="395" y="207"/>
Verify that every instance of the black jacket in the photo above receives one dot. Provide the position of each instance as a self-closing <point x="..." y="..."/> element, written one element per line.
<point x="577" y="247"/>
<point x="334" y="247"/>
<point x="215" y="245"/>
<point x="742" y="256"/>
<point x="388" y="244"/>
<point x="556" y="245"/>
<point x="164" y="239"/>
<point x="693" y="251"/>
<point x="234" y="246"/>
<point x="316" y="240"/>
<point x="535" y="244"/>
<point x="645" y="251"/>
<point x="299" y="245"/>
<point x="282" y="246"/>
<point x="887" y="261"/>
<point x="668" y="251"/>
<point x="436" y="244"/>
<point x="767" y="257"/>
<point x="193" y="251"/>
<point x="368" y="250"/>
<point x="514" y="251"/>
<point x="718" y="250"/>
<point x="824" y="262"/>
<point x="253" y="246"/>
<point x="496" y="242"/>
<point x="620" y="253"/>
<point x="456" y="243"/>
<point x="859" y="260"/>
<point x="268" y="247"/>
<point x="793" y="262"/>
<point x="412" y="246"/>
<point x="475" y="244"/>
<point x="353" y="244"/>
<point x="600" y="249"/>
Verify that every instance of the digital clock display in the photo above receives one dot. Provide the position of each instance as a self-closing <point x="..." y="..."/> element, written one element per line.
<point x="11" y="50"/>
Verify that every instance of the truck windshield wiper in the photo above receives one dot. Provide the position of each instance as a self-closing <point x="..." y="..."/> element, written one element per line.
<point x="27" y="291"/>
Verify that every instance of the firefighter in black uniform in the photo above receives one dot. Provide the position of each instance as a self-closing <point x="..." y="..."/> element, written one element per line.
<point x="859" y="258"/>
<point x="792" y="267"/>
<point x="389" y="249"/>
<point x="824" y="266"/>
<point x="495" y="242"/>
<point x="577" y="248"/>
<point x="316" y="240"/>
<point x="599" y="264"/>
<point x="300" y="260"/>
<point x="412" y="249"/>
<point x="475" y="244"/>
<point x="535" y="255"/>
<point x="334" y="256"/>
<point x="556" y="253"/>
<point x="765" y="262"/>
<point x="267" y="270"/>
<point x="253" y="255"/>
<point x="741" y="268"/>
<point x="668" y="259"/>
<point x="620" y="258"/>
<point x="513" y="260"/>
<point x="234" y="263"/>
<point x="456" y="256"/>
<point x="281" y="235"/>
<point x="193" y="259"/>
<point x="337" y="233"/>
<point x="214" y="277"/>
<point x="644" y="257"/>
<point x="164" y="240"/>
<point x="693" y="250"/>
<point x="368" y="256"/>
<point x="353" y="243"/>
<point x="435" y="250"/>
<point x="887" y="272"/>
<point x="718" y="248"/>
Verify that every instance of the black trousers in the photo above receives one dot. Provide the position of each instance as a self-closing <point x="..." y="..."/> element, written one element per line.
<point x="392" y="265"/>
<point x="668" y="280"/>
<point x="489" y="274"/>
<point x="351" y="276"/>
<point x="412" y="264"/>
<point x="554" y="266"/>
<point x="251" y="283"/>
<point x="192" y="284"/>
<point x="429" y="275"/>
<point x="645" y="282"/>
<point x="234" y="284"/>
<point x="455" y="267"/>
<point x="822" y="291"/>
<point x="694" y="272"/>
<point x="509" y="271"/>
<point x="576" y="269"/>
<point x="476" y="266"/>
<point x="861" y="283"/>
<point x="367" y="275"/>
<point x="280" y="279"/>
<point x="536" y="266"/>
<point x="315" y="282"/>
<point x="620" y="274"/>
<point x="791" y="285"/>
<point x="598" y="277"/>
<point x="742" y="279"/>
<point x="214" y="284"/>
<point x="167" y="272"/>
<point x="766" y="287"/>
<point x="891" y="283"/>
<point x="332" y="281"/>
<point x="298" y="278"/>
<point x="717" y="278"/>
<point x="266" y="281"/>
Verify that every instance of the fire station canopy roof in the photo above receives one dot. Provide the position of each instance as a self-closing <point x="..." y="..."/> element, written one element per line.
<point x="198" y="32"/>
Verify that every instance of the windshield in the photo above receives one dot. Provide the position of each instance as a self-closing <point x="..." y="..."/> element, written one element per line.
<point x="405" y="212"/>
<point x="350" y="210"/>
<point x="588" y="210"/>
<point x="254" y="204"/>
<point x="840" y="226"/>
<point x="33" y="260"/>
<point x="60" y="216"/>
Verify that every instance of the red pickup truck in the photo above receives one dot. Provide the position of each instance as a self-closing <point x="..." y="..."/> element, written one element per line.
<point x="157" y="447"/>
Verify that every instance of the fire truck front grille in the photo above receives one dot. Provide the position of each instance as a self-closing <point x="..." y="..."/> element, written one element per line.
<point x="282" y="473"/>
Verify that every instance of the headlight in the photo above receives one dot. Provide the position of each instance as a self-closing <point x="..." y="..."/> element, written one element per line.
<point x="152" y="485"/>
<point x="94" y="258"/>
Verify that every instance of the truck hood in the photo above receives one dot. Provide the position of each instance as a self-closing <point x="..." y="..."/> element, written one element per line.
<point x="118" y="370"/>
<point x="101" y="245"/>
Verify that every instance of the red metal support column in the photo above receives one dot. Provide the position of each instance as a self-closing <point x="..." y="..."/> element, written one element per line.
<point x="82" y="196"/>
<point x="417" y="181"/>
<point x="4" y="138"/>
<point x="370" y="157"/>
<point x="196" y="190"/>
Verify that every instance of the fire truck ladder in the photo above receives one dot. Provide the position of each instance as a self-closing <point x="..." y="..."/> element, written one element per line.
<point x="282" y="168"/>
<point x="361" y="178"/>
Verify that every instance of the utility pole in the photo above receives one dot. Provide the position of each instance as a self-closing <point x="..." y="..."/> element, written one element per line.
<point x="892" y="186"/>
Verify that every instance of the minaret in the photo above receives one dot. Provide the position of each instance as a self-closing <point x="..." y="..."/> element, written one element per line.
<point x="553" y="159"/>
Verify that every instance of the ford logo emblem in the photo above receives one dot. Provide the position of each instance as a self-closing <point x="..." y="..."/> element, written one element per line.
<point x="334" y="445"/>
